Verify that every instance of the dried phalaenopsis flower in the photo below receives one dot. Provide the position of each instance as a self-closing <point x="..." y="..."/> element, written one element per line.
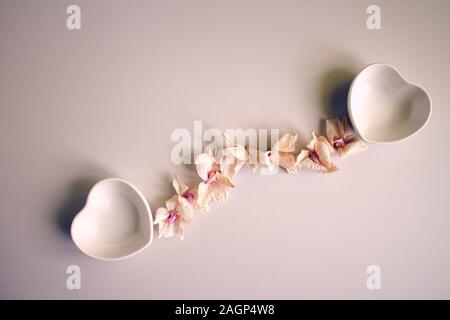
<point x="282" y="154"/>
<point x="171" y="219"/>
<point x="178" y="210"/>
<point x="342" y="138"/>
<point x="317" y="156"/>
<point x="216" y="184"/>
<point x="187" y="196"/>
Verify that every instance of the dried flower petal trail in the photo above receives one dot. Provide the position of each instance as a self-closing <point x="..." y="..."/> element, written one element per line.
<point x="217" y="173"/>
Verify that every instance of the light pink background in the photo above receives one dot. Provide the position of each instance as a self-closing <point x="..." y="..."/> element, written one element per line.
<point x="78" y="106"/>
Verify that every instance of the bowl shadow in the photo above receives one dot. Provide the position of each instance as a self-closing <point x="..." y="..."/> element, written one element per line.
<point x="334" y="87"/>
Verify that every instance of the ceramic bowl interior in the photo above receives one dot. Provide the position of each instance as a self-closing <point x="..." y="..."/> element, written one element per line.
<point x="384" y="107"/>
<point x="115" y="223"/>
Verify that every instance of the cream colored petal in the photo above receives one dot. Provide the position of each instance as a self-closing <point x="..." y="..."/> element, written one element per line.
<point x="179" y="229"/>
<point x="308" y="164"/>
<point x="204" y="163"/>
<point x="230" y="170"/>
<point x="286" y="143"/>
<point x="172" y="203"/>
<point x="287" y="161"/>
<point x="302" y="155"/>
<point x="196" y="207"/>
<point x="219" y="192"/>
<point x="225" y="181"/>
<point x="312" y="144"/>
<point x="352" y="147"/>
<point x="274" y="157"/>
<point x="162" y="226"/>
<point x="183" y="203"/>
<point x="204" y="208"/>
<point x="204" y="193"/>
<point x="324" y="152"/>
<point x="167" y="230"/>
<point x="332" y="168"/>
<point x="323" y="149"/>
<point x="161" y="215"/>
<point x="186" y="218"/>
<point x="237" y="152"/>
<point x="178" y="185"/>
<point x="185" y="209"/>
<point x="232" y="160"/>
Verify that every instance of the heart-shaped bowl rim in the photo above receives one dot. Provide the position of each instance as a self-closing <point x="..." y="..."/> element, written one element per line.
<point x="350" y="107"/>
<point x="147" y="209"/>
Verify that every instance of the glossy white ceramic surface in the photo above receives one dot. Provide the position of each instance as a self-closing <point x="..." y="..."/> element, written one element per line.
<point x="384" y="107"/>
<point x="115" y="223"/>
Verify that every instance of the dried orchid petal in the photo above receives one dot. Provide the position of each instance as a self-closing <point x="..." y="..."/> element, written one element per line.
<point x="230" y="162"/>
<point x="161" y="214"/>
<point x="239" y="152"/>
<point x="342" y="139"/>
<point x="172" y="203"/>
<point x="287" y="161"/>
<point x="178" y="185"/>
<point x="196" y="206"/>
<point x="282" y="154"/>
<point x="317" y="157"/>
<point x="306" y="161"/>
<point x="236" y="156"/>
<point x="286" y="143"/>
<point x="215" y="183"/>
<point x="204" y="163"/>
<point x="230" y="170"/>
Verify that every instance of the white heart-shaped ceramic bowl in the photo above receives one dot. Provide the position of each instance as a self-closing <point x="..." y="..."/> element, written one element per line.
<point x="115" y="223"/>
<point x="384" y="107"/>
